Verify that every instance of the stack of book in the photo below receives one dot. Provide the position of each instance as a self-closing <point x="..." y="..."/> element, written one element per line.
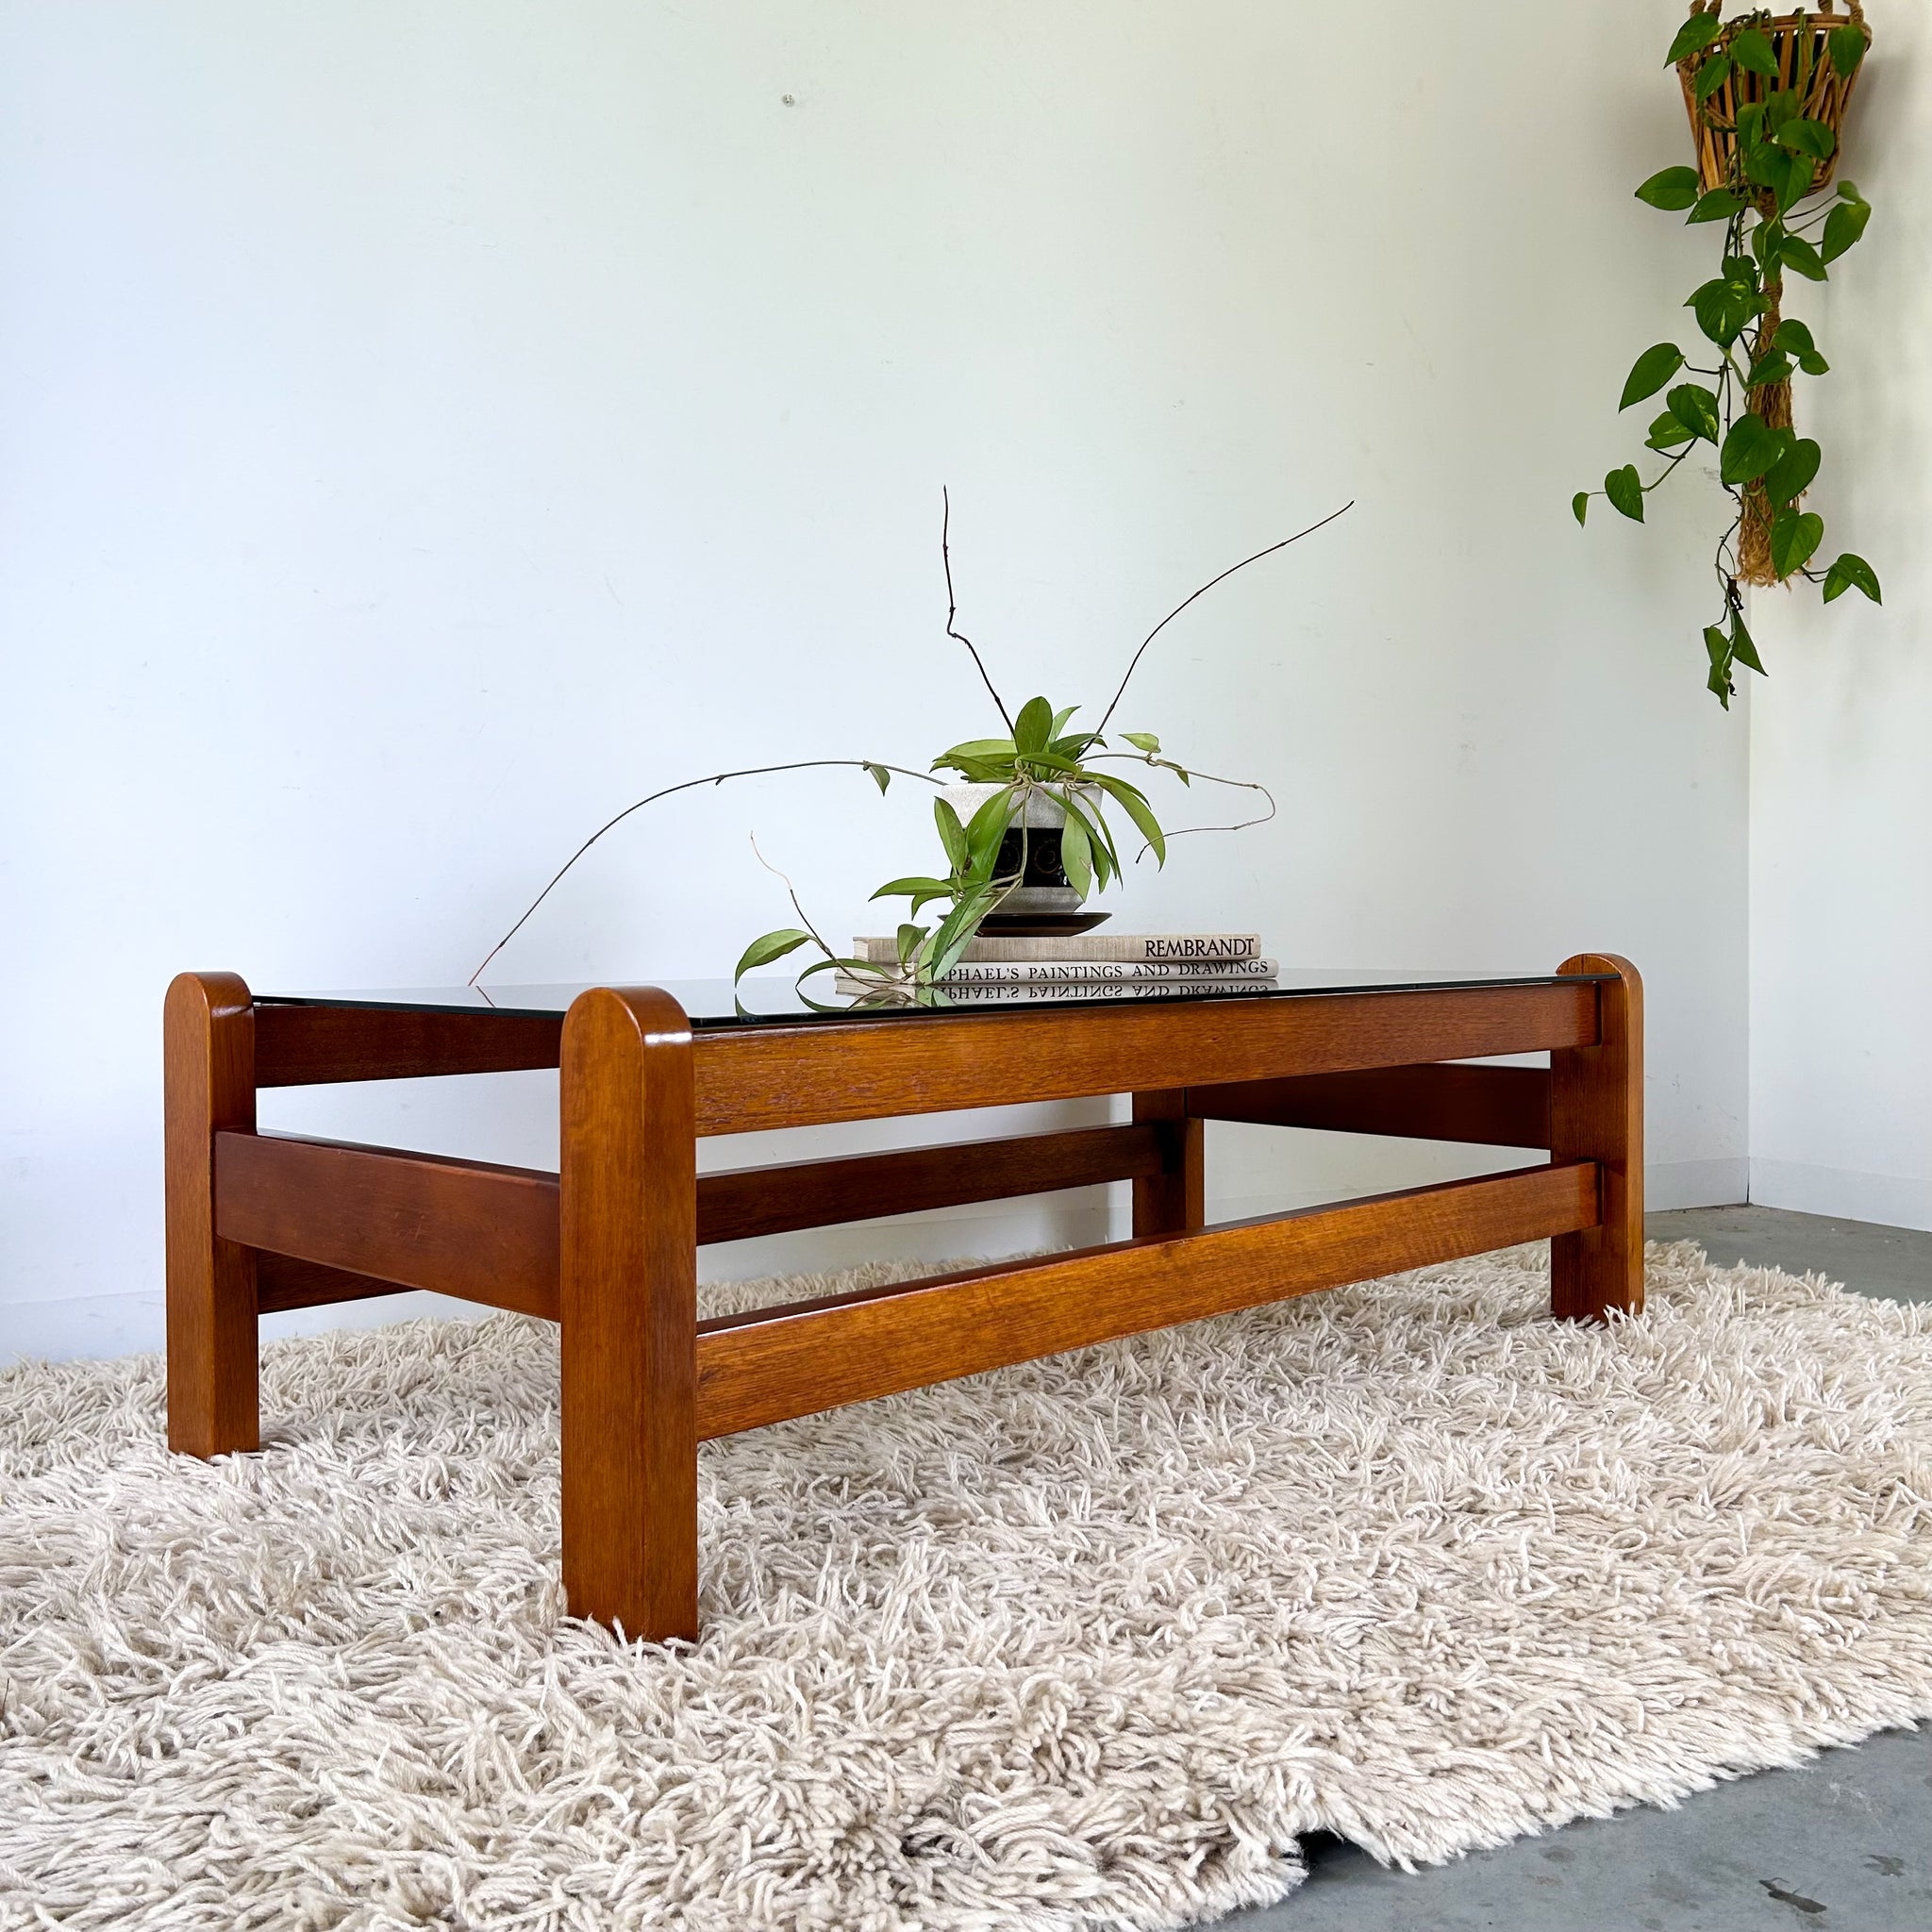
<point x="1093" y="960"/>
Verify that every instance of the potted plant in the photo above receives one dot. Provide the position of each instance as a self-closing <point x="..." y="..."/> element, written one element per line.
<point x="1027" y="829"/>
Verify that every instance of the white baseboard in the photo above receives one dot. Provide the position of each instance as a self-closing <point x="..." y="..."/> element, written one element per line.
<point x="1892" y="1199"/>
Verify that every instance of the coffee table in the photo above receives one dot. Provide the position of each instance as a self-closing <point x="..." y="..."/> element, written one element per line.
<point x="258" y="1222"/>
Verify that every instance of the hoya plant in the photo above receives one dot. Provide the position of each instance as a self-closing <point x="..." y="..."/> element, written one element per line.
<point x="1041" y="755"/>
<point x="1766" y="97"/>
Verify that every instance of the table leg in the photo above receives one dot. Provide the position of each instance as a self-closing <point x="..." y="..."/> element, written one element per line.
<point x="629" y="1303"/>
<point x="1172" y="1201"/>
<point x="208" y="1034"/>
<point x="1596" y="1113"/>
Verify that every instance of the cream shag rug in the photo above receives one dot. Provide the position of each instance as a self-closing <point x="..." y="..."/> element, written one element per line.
<point x="1083" y="1643"/>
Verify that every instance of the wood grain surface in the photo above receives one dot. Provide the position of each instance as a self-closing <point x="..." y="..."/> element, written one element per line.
<point x="768" y="1364"/>
<point x="1596" y="1113"/>
<point x="805" y="1075"/>
<point x="628" y="1304"/>
<point x="1499" y="1107"/>
<point x="207" y="1038"/>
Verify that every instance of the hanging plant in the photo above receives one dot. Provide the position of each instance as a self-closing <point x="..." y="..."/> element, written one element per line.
<point x="1767" y="99"/>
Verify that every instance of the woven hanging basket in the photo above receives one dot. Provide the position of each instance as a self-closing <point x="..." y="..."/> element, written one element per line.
<point x="1804" y="64"/>
<point x="1799" y="42"/>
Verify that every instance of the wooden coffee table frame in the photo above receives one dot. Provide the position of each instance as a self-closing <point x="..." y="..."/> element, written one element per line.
<point x="259" y="1221"/>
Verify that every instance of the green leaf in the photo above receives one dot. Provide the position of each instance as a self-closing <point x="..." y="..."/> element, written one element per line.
<point x="1711" y="77"/>
<point x="989" y="826"/>
<point x="1579" y="507"/>
<point x="1143" y="741"/>
<point x="881" y="777"/>
<point x="1099" y="838"/>
<point x="1794" y="535"/>
<point x="1781" y="105"/>
<point x="1667" y="433"/>
<point x="1743" y="649"/>
<point x="1748" y="451"/>
<point x="1672" y="188"/>
<point x="1813" y="138"/>
<point x="921" y="892"/>
<point x="1650" y="372"/>
<point x="1059" y="722"/>
<point x="1692" y="38"/>
<point x="1848" y="44"/>
<point x="769" y="946"/>
<point x="978" y="748"/>
<point x="1043" y="761"/>
<point x="1794" y="339"/>
<point x="1722" y="308"/>
<point x="1625" y="487"/>
<point x="1799" y="171"/>
<point x="1695" y="407"/>
<point x="1843" y="228"/>
<point x="956" y="932"/>
<point x="1795" y="252"/>
<point x="1791" y="476"/>
<point x="1773" y="367"/>
<point x="1033" y="726"/>
<point x="1076" y="856"/>
<point x="1720" y="205"/>
<point x="952" y="834"/>
<point x="1135" y="801"/>
<point x="1752" y="50"/>
<point x="1717" y="647"/>
<point x="1750" y="123"/>
<point x="1851" y="572"/>
<point x="906" y="942"/>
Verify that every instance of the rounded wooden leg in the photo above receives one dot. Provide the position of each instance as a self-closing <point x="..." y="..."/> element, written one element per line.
<point x="1596" y="1113"/>
<point x="628" y="1303"/>
<point x="208" y="1032"/>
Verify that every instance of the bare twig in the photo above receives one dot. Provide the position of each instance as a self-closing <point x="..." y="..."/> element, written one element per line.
<point x="689" y="785"/>
<point x="953" y="607"/>
<point x="791" y="892"/>
<point x="1203" y="591"/>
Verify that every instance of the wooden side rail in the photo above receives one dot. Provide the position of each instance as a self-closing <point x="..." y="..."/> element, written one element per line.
<point x="485" y="1234"/>
<point x="340" y="1223"/>
<point x="805" y="1075"/>
<point x="746" y="1201"/>
<point x="1498" y="1107"/>
<point x="312" y="1046"/>
<point x="771" y="1364"/>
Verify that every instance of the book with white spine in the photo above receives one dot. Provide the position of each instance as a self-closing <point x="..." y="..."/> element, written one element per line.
<point x="1193" y="948"/>
<point x="1097" y="971"/>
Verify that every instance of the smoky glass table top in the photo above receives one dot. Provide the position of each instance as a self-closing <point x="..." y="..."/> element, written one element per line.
<point x="771" y="1002"/>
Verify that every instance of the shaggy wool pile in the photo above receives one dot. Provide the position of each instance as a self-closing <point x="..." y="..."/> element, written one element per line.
<point x="1079" y="1644"/>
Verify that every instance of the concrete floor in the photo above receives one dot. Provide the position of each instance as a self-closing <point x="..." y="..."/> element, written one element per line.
<point x="1845" y="1840"/>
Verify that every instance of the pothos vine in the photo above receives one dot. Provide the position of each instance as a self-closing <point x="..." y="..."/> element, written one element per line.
<point x="1762" y="92"/>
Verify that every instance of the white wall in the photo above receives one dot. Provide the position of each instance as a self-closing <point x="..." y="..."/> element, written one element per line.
<point x="1841" y="733"/>
<point x="429" y="428"/>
